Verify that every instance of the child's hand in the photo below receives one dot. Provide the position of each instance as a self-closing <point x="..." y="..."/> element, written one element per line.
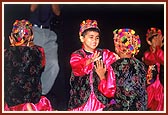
<point x="12" y="40"/>
<point x="117" y="56"/>
<point x="96" y="56"/>
<point x="100" y="69"/>
<point x="157" y="41"/>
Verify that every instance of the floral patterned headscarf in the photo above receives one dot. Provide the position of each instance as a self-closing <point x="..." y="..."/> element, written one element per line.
<point x="126" y="41"/>
<point x="21" y="32"/>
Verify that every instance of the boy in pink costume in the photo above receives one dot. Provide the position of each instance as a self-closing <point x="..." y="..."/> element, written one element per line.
<point x="92" y="81"/>
<point x="154" y="59"/>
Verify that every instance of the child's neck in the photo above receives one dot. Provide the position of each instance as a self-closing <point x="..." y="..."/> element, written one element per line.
<point x="123" y="55"/>
<point x="90" y="51"/>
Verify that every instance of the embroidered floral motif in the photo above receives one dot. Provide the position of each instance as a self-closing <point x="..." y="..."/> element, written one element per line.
<point x="131" y="92"/>
<point x="22" y="73"/>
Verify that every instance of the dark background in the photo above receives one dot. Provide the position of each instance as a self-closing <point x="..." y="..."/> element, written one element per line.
<point x="139" y="17"/>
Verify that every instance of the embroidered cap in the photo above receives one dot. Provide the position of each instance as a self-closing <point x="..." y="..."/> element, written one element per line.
<point x="21" y="32"/>
<point x="126" y="41"/>
<point x="152" y="31"/>
<point x="87" y="24"/>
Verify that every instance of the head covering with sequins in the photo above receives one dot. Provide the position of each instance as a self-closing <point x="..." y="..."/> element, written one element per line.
<point x="126" y="41"/>
<point x="21" y="32"/>
<point x="86" y="24"/>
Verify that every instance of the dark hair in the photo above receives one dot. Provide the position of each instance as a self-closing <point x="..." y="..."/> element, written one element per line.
<point x="150" y="39"/>
<point x="90" y="29"/>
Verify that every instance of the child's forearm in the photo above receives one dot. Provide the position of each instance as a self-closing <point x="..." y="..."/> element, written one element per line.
<point x="33" y="7"/>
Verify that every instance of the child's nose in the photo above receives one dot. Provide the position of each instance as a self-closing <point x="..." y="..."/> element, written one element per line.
<point x="95" y="39"/>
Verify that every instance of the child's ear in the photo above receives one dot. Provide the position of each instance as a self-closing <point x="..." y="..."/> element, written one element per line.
<point x="149" y="42"/>
<point x="81" y="38"/>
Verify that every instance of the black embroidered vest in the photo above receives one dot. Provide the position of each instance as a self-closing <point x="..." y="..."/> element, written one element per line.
<point x="22" y="75"/>
<point x="80" y="87"/>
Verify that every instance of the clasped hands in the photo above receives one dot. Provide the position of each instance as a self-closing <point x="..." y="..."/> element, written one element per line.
<point x="99" y="66"/>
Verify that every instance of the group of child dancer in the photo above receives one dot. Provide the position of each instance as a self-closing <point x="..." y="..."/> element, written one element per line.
<point x="101" y="80"/>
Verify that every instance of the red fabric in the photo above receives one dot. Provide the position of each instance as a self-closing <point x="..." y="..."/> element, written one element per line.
<point x="93" y="104"/>
<point x="156" y="96"/>
<point x="78" y="64"/>
<point x="43" y="57"/>
<point x="42" y="105"/>
<point x="155" y="91"/>
<point x="151" y="58"/>
<point x="108" y="86"/>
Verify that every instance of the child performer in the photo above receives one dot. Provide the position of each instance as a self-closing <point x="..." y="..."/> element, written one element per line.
<point x="154" y="59"/>
<point x="23" y="64"/>
<point x="92" y="80"/>
<point x="130" y="73"/>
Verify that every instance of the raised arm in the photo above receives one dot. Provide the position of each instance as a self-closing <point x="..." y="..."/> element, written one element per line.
<point x="56" y="9"/>
<point x="33" y="7"/>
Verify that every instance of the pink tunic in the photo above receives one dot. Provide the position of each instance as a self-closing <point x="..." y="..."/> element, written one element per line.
<point x="106" y="86"/>
<point x="42" y="105"/>
<point x="155" y="90"/>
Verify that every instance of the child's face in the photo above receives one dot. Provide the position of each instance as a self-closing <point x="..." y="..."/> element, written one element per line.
<point x="157" y="41"/>
<point x="90" y="41"/>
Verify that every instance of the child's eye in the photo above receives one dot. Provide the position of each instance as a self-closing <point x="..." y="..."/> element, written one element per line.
<point x="91" y="37"/>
